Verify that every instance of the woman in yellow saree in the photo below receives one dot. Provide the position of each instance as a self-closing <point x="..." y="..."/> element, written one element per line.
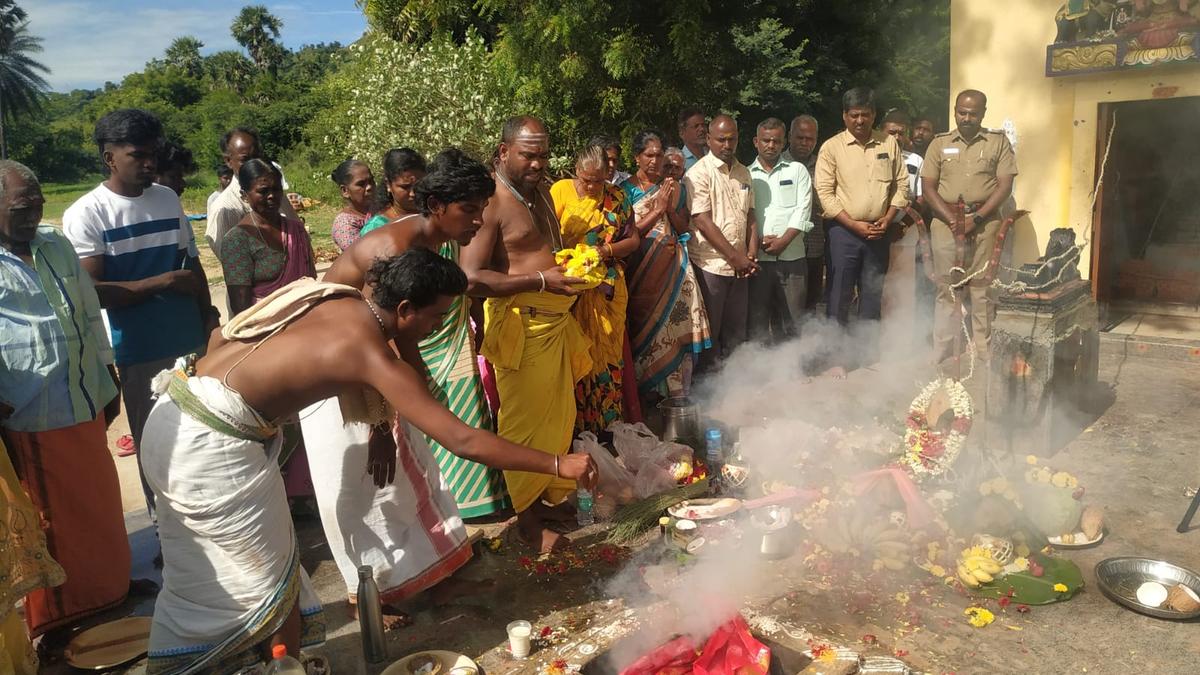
<point x="596" y="221"/>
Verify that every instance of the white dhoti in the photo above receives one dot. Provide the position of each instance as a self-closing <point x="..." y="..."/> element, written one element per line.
<point x="409" y="532"/>
<point x="231" y="573"/>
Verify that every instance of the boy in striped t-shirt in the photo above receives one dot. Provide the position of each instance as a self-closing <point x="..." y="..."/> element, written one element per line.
<point x="134" y="239"/>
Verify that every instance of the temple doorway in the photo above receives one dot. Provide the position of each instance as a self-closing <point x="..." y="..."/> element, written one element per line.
<point x="1147" y="253"/>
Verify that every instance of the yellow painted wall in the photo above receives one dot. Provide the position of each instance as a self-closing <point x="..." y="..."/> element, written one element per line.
<point x="1000" y="49"/>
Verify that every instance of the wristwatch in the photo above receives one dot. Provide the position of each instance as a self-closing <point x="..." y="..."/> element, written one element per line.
<point x="978" y="219"/>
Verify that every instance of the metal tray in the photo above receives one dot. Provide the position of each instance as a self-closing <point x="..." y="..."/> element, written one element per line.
<point x="1119" y="578"/>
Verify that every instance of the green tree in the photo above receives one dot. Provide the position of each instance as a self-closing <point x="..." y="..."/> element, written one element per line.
<point x="184" y="54"/>
<point x="22" y="85"/>
<point x="619" y="65"/>
<point x="257" y="30"/>
<point x="425" y="96"/>
<point x="228" y="70"/>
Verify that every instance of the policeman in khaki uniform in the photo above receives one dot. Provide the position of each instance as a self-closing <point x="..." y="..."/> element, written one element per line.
<point x="979" y="166"/>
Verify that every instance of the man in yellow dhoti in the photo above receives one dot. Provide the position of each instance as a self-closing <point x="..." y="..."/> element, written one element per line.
<point x="530" y="337"/>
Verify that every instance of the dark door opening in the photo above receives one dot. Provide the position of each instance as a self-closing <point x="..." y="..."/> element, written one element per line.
<point x="1147" y="238"/>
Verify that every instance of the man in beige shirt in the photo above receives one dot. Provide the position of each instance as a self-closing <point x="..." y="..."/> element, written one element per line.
<point x="725" y="245"/>
<point x="861" y="181"/>
<point x="978" y="166"/>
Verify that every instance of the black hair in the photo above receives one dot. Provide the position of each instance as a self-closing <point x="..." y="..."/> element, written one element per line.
<point x="223" y="170"/>
<point x="253" y="169"/>
<point x="605" y="141"/>
<point x="341" y="174"/>
<point x="687" y="114"/>
<point x="771" y="123"/>
<point x="398" y="160"/>
<point x="898" y="116"/>
<point x="172" y="155"/>
<point x="418" y="275"/>
<point x="128" y="126"/>
<point x="642" y="138"/>
<point x="513" y="126"/>
<point x="973" y="93"/>
<point x="228" y="136"/>
<point x="924" y="117"/>
<point x="858" y="97"/>
<point x="453" y="177"/>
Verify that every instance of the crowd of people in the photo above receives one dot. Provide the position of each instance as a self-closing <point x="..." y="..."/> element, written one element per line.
<point x="441" y="367"/>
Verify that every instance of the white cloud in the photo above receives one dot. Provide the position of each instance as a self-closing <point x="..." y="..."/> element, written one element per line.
<point x="90" y="42"/>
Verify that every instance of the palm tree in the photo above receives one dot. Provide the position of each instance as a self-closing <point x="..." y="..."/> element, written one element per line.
<point x="256" y="29"/>
<point x="21" y="83"/>
<point x="184" y="53"/>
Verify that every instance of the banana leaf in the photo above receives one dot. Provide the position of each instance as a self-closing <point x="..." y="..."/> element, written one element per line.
<point x="1030" y="590"/>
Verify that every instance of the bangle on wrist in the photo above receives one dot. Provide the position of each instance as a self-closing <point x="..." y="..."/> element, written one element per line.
<point x="543" y="288"/>
<point x="556" y="475"/>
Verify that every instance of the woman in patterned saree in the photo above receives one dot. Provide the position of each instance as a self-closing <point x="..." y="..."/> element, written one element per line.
<point x="668" y="325"/>
<point x="265" y="252"/>
<point x="593" y="212"/>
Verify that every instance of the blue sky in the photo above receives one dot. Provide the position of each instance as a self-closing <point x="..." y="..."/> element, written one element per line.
<point x="88" y="42"/>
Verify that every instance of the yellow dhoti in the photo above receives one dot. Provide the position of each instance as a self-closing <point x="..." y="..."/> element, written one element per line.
<point x="539" y="353"/>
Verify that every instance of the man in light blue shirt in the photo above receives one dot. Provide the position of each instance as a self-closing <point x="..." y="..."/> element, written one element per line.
<point x="693" y="134"/>
<point x="57" y="396"/>
<point x="782" y="205"/>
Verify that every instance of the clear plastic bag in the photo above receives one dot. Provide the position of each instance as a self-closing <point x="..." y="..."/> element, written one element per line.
<point x="634" y="443"/>
<point x="615" y="481"/>
<point x="668" y="464"/>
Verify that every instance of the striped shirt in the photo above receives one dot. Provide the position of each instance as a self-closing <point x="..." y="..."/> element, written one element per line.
<point x="54" y="348"/>
<point x="140" y="237"/>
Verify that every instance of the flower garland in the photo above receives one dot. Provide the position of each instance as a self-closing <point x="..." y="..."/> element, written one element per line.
<point x="927" y="452"/>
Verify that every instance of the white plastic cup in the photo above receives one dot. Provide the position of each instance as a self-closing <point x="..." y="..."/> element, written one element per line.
<point x="520" y="634"/>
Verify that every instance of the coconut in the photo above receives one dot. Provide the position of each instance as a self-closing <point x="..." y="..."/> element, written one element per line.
<point x="1181" y="598"/>
<point x="1092" y="521"/>
<point x="1152" y="594"/>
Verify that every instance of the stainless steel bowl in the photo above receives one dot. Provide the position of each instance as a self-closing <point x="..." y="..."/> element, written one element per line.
<point x="1119" y="578"/>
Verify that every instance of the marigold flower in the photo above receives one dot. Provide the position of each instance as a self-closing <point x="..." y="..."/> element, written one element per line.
<point x="979" y="617"/>
<point x="1060" y="588"/>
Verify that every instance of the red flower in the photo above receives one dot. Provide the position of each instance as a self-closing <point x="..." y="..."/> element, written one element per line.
<point x="541" y="568"/>
<point x="869" y="639"/>
<point x="545" y="632"/>
<point x="1005" y="601"/>
<point x="1023" y="609"/>
<point x="901" y="653"/>
<point x="526" y="561"/>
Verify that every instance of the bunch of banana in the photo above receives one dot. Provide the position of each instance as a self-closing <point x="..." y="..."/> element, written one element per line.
<point x="868" y="536"/>
<point x="977" y="566"/>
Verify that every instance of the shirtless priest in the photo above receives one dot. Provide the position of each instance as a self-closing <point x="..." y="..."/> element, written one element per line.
<point x="530" y="337"/>
<point x="232" y="582"/>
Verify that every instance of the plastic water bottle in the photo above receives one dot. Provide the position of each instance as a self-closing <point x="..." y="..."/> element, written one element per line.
<point x="583" y="509"/>
<point x="282" y="664"/>
<point x="714" y="457"/>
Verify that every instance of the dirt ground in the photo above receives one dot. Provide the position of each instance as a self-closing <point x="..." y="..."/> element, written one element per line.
<point x="1136" y="460"/>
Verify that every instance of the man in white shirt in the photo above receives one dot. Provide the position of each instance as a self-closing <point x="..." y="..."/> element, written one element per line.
<point x="237" y="147"/>
<point x="782" y="209"/>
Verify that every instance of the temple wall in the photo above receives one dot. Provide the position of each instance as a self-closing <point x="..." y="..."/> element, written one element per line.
<point x="999" y="47"/>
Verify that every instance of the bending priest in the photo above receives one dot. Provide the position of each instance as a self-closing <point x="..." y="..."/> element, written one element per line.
<point x="232" y="583"/>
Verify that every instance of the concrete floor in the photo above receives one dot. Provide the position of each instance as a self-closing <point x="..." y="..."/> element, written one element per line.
<point x="1137" y="460"/>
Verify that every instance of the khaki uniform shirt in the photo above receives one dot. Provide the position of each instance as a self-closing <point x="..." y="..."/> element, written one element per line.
<point x="862" y="179"/>
<point x="968" y="169"/>
<point x="724" y="191"/>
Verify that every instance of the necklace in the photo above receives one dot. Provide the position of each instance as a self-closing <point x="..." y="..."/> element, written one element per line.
<point x="554" y="236"/>
<point x="258" y="230"/>
<point x="382" y="325"/>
